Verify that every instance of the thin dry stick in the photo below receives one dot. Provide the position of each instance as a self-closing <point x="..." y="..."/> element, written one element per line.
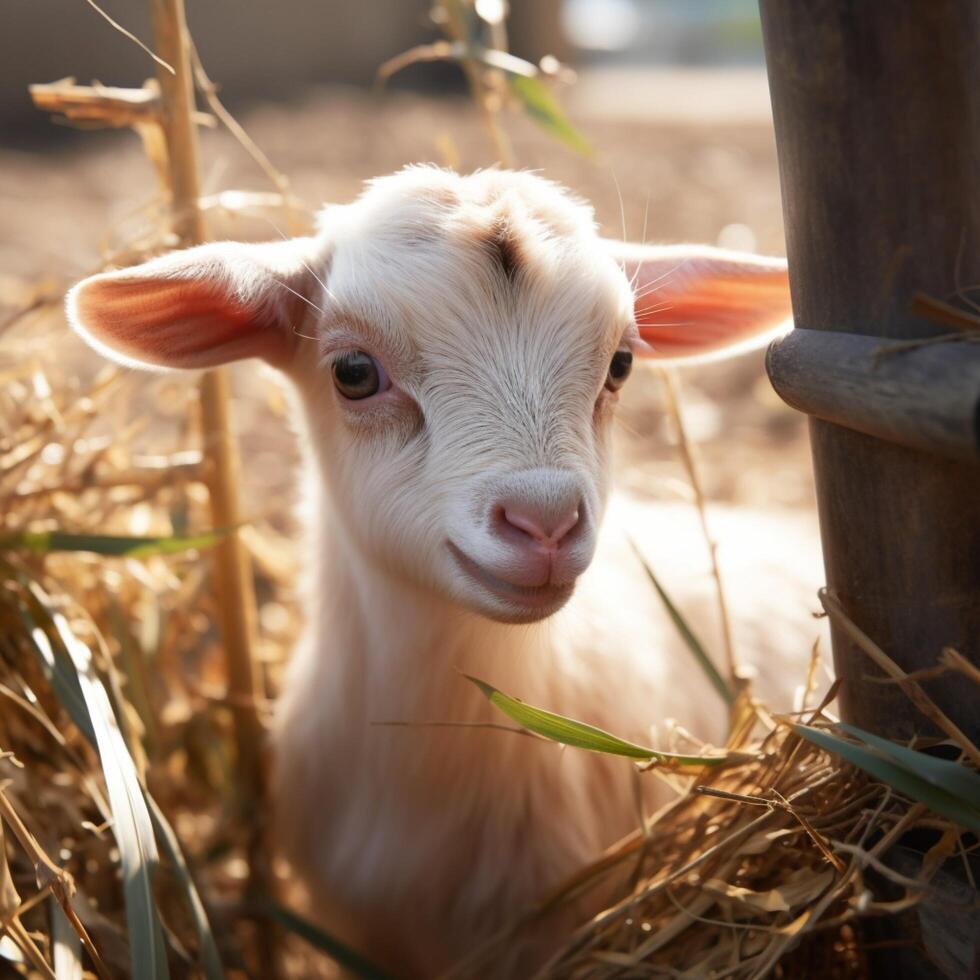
<point x="915" y="694"/>
<point x="132" y="37"/>
<point x="671" y="388"/>
<point x="99" y="103"/>
<point x="278" y="179"/>
<point x="946" y="313"/>
<point x="232" y="572"/>
<point x="24" y="942"/>
<point x="46" y="871"/>
<point x="815" y="912"/>
<point x="456" y="28"/>
<point x="50" y="878"/>
<point x="956" y="661"/>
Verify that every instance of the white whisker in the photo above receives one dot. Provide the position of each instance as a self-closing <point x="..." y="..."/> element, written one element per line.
<point x="622" y="206"/>
<point x="665" y="275"/>
<point x="305" y="336"/>
<point x="286" y="238"/>
<point x="643" y="293"/>
<point x="646" y="214"/>
<point x="308" y="302"/>
<point x="643" y="241"/>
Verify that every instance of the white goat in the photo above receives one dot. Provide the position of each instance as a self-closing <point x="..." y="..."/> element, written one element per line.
<point x="455" y="345"/>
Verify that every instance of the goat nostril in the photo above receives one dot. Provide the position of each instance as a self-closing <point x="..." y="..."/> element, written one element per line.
<point x="548" y="530"/>
<point x="565" y="526"/>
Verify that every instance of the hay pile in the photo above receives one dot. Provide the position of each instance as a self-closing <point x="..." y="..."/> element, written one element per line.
<point x="771" y="868"/>
<point x="112" y="688"/>
<point x="759" y="869"/>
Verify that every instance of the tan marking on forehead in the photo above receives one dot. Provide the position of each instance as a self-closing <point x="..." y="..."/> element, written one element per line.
<point x="503" y="245"/>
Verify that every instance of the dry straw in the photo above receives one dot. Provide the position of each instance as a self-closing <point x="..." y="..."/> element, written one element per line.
<point x="770" y="860"/>
<point x="120" y="850"/>
<point x="767" y="868"/>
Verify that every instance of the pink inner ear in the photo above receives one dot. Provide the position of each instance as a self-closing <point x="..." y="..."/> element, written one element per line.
<point x="174" y="323"/>
<point x="712" y="313"/>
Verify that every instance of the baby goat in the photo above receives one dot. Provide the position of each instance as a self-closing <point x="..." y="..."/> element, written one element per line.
<point x="456" y="345"/>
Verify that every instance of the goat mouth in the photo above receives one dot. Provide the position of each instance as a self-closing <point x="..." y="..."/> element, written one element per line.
<point x="526" y="597"/>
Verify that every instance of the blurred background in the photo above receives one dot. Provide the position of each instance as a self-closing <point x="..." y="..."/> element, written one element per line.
<point x="671" y="94"/>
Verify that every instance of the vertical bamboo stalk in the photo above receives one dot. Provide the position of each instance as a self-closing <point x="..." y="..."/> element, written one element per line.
<point x="234" y="587"/>
<point x="177" y="103"/>
<point x="456" y="28"/>
<point x="877" y="117"/>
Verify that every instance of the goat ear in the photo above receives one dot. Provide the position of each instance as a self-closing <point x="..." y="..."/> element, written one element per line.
<point x="200" y="307"/>
<point x="693" y="301"/>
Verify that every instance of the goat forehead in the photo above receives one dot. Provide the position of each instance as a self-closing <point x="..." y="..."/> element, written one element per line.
<point x="502" y="217"/>
<point x="431" y="193"/>
<point x="451" y="287"/>
<point x="493" y="286"/>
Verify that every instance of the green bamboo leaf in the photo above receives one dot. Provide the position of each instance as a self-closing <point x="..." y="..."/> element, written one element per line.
<point x="210" y="958"/>
<point x="948" y="775"/>
<point x="543" y="108"/>
<point x="690" y="639"/>
<point x="559" y="728"/>
<point x="64" y="679"/>
<point x="906" y="781"/>
<point x="342" y="955"/>
<point x="121" y="546"/>
<point x="60" y="674"/>
<point x="131" y="822"/>
<point x="68" y="662"/>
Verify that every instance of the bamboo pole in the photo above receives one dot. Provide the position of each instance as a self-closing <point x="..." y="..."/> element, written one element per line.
<point x="456" y="28"/>
<point x="877" y="118"/>
<point x="923" y="394"/>
<point x="177" y="105"/>
<point x="234" y="587"/>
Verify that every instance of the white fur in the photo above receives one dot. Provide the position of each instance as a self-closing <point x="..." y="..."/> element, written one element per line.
<point x="415" y="842"/>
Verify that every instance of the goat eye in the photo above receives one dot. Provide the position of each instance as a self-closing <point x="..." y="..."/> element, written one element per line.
<point x="358" y="375"/>
<point x="619" y="369"/>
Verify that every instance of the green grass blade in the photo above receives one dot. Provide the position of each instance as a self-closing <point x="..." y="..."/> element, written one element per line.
<point x="69" y="662"/>
<point x="60" y="675"/>
<point x="210" y="958"/>
<point x="693" y="644"/>
<point x="323" y="941"/>
<point x="114" y="545"/>
<point x="64" y="680"/>
<point x="131" y="822"/>
<point x="950" y="776"/>
<point x="558" y="728"/>
<point x="543" y="108"/>
<point x="906" y="781"/>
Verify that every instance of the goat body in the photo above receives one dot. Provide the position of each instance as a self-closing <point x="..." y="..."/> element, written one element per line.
<point x="467" y="337"/>
<point x="418" y="841"/>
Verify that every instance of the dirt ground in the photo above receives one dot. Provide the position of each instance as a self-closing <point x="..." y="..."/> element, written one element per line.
<point x="64" y="203"/>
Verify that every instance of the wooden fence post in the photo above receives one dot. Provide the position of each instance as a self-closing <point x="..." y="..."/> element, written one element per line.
<point x="234" y="588"/>
<point x="877" y="115"/>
